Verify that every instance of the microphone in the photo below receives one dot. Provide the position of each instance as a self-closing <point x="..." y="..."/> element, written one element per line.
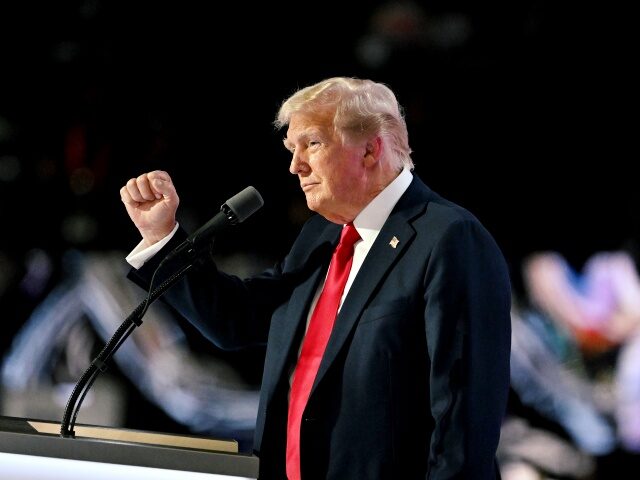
<point x="235" y="210"/>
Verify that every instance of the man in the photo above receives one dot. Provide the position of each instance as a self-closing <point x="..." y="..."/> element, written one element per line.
<point x="410" y="379"/>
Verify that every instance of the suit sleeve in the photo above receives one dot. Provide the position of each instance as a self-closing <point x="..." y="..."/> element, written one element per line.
<point x="468" y="330"/>
<point x="231" y="312"/>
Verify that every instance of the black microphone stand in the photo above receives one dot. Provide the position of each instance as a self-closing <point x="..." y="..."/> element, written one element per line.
<point x="99" y="364"/>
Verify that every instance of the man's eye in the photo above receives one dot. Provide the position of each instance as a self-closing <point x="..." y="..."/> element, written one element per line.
<point x="313" y="143"/>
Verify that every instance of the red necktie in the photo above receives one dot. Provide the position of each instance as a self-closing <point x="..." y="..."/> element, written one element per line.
<point x="315" y="342"/>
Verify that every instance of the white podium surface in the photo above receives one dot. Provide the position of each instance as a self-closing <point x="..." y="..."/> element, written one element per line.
<point x="30" y="467"/>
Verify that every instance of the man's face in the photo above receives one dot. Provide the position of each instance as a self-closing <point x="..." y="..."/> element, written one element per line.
<point x="332" y="175"/>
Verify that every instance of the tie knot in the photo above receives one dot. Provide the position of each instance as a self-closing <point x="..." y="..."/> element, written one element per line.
<point x="349" y="236"/>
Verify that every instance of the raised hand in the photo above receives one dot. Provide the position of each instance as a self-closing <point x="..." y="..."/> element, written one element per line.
<point x="151" y="201"/>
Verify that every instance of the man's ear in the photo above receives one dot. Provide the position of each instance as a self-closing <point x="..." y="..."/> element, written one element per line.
<point x="373" y="151"/>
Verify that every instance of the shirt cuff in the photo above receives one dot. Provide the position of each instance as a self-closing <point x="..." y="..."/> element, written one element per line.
<point x="140" y="254"/>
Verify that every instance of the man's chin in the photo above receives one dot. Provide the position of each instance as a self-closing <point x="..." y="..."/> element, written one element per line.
<point x="312" y="203"/>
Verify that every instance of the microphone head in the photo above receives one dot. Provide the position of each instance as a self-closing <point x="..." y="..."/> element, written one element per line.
<point x="244" y="204"/>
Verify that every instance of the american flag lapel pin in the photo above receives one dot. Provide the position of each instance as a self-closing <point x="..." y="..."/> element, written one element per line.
<point x="394" y="242"/>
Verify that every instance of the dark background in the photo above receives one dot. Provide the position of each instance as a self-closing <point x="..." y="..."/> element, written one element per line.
<point x="520" y="112"/>
<point x="521" y="115"/>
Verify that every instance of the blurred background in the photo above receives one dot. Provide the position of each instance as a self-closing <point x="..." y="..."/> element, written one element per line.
<point x="517" y="111"/>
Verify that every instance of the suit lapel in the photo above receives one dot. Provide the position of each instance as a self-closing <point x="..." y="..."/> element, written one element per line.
<point x="379" y="260"/>
<point x="300" y="302"/>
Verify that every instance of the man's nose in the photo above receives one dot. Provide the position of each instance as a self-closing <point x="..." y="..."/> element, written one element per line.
<point x="298" y="164"/>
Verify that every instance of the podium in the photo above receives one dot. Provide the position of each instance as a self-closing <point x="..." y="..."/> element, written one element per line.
<point x="118" y="453"/>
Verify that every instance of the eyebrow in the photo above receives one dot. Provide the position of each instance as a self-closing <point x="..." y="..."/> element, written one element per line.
<point x="287" y="144"/>
<point x="306" y="133"/>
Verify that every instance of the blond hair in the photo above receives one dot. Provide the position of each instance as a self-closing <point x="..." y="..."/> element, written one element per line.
<point x="361" y="108"/>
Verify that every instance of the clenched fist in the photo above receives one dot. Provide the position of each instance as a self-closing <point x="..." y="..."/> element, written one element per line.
<point x="151" y="201"/>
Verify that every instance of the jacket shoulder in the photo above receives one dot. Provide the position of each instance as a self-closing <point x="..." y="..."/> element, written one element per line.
<point x="444" y="217"/>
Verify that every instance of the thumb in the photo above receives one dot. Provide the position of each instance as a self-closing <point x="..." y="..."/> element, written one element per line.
<point x="164" y="189"/>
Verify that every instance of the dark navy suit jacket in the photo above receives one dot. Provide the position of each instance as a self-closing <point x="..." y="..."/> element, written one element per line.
<point x="414" y="380"/>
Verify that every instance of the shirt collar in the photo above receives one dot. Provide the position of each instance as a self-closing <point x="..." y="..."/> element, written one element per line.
<point x="370" y="220"/>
